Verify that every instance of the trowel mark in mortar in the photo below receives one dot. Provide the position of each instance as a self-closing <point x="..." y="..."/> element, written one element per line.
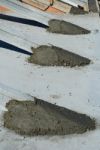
<point x="63" y="27"/>
<point x="55" y="56"/>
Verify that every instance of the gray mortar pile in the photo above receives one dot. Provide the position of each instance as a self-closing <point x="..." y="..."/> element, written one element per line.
<point x="63" y="27"/>
<point x="55" y="56"/>
<point x="42" y="118"/>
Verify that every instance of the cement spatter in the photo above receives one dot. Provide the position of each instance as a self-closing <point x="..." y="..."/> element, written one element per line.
<point x="42" y="118"/>
<point x="63" y="27"/>
<point x="55" y="56"/>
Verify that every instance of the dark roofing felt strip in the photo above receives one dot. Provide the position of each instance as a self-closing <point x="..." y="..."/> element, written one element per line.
<point x="6" y="45"/>
<point x="23" y="21"/>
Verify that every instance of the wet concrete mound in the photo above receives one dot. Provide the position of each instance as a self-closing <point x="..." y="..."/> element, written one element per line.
<point x="42" y="118"/>
<point x="63" y="27"/>
<point x="77" y="11"/>
<point x="55" y="56"/>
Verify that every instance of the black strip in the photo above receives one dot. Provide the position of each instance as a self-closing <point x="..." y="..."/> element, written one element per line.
<point x="6" y="45"/>
<point x="23" y="21"/>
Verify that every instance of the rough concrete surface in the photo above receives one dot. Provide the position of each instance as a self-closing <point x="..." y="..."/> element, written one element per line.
<point x="42" y="118"/>
<point x="63" y="27"/>
<point x="93" y="6"/>
<point x="55" y="56"/>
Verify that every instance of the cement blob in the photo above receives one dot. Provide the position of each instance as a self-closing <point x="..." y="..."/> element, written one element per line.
<point x="42" y="118"/>
<point x="54" y="56"/>
<point x="63" y="27"/>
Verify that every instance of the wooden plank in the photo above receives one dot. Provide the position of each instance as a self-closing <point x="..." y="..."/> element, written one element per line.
<point x="61" y="6"/>
<point x="45" y="5"/>
<point x="36" y="4"/>
<point x="46" y="2"/>
<point x="4" y="9"/>
<point x="54" y="10"/>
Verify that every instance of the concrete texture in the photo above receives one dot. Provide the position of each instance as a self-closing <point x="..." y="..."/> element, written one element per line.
<point x="77" y="11"/>
<point x="42" y="118"/>
<point x="55" y="56"/>
<point x="63" y="27"/>
<point x="93" y="6"/>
